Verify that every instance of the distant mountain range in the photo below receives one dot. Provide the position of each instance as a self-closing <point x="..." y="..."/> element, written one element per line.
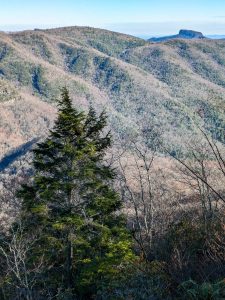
<point x="216" y="36"/>
<point x="171" y="84"/>
<point x="183" y="34"/>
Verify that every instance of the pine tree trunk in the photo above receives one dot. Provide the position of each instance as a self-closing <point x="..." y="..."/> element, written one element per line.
<point x="69" y="268"/>
<point x="69" y="263"/>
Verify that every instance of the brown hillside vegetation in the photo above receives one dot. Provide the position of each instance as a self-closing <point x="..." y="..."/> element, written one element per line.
<point x="171" y="84"/>
<point x="172" y="87"/>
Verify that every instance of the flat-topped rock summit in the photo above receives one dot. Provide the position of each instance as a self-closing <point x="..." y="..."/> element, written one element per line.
<point x="191" y="34"/>
<point x="183" y="34"/>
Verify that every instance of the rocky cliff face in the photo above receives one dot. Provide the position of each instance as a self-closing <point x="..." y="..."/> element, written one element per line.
<point x="190" y="34"/>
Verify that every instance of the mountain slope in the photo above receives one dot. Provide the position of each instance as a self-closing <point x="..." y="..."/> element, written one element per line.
<point x="170" y="84"/>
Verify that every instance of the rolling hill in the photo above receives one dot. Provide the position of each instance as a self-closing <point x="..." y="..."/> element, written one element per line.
<point x="172" y="85"/>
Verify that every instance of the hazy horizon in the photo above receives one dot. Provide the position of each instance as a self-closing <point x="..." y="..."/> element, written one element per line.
<point x="139" y="18"/>
<point x="17" y="28"/>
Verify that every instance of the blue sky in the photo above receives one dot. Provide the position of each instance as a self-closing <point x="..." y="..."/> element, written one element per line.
<point x="138" y="17"/>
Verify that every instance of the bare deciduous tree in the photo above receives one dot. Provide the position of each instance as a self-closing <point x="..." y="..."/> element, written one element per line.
<point x="22" y="275"/>
<point x="144" y="189"/>
<point x="203" y="171"/>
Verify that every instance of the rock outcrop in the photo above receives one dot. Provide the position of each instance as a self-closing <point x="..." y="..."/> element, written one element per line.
<point x="183" y="34"/>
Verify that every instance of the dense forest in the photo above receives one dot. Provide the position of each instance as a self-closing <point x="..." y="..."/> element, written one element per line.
<point x="98" y="218"/>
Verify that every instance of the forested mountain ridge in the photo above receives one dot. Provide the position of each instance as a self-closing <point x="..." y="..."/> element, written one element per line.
<point x="112" y="166"/>
<point x="170" y="84"/>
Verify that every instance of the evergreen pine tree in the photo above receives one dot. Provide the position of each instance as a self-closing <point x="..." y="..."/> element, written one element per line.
<point x="73" y="206"/>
